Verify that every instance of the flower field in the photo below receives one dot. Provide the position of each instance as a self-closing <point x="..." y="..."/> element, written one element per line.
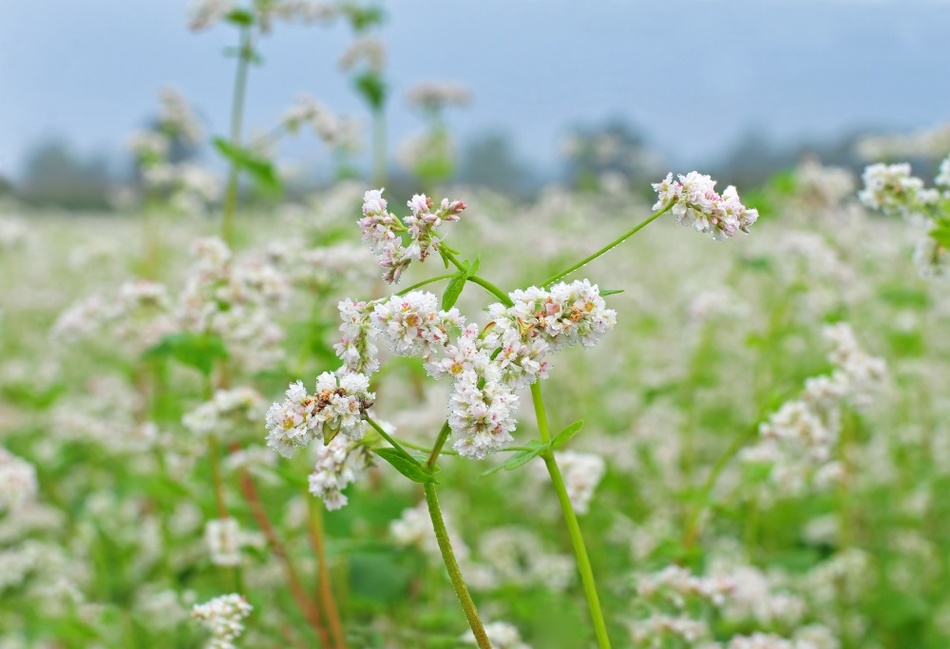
<point x="656" y="417"/>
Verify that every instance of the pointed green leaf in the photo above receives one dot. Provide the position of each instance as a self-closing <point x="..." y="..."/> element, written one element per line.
<point x="519" y="459"/>
<point x="195" y="350"/>
<point x="562" y="438"/>
<point x="258" y="167"/>
<point x="604" y="292"/>
<point x="474" y="266"/>
<point x="453" y="291"/>
<point x="405" y="465"/>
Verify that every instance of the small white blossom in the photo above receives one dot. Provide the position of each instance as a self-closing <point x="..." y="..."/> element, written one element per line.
<point x="894" y="191"/>
<point x="17" y="481"/>
<point x="337" y="405"/>
<point x="223" y="616"/>
<point x="223" y="537"/>
<point x="339" y="463"/>
<point x="695" y="202"/>
<point x="501" y="634"/>
<point x="414" y="325"/>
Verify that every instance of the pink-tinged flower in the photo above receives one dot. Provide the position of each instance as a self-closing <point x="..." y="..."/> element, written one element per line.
<point x="694" y="201"/>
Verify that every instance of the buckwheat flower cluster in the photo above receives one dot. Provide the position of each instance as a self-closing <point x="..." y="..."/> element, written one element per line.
<point x="695" y="202"/>
<point x="799" y="440"/>
<point x="307" y="111"/>
<point x="227" y="410"/>
<point x="148" y="147"/>
<point x="340" y="462"/>
<point x="17" y="481"/>
<point x="366" y="49"/>
<point x="482" y="412"/>
<point x="337" y="406"/>
<point x="382" y="230"/>
<point x="582" y="473"/>
<point x="205" y="14"/>
<point x="176" y="116"/>
<point x="502" y="635"/>
<point x="676" y="585"/>
<point x="223" y="616"/>
<point x="516" y="556"/>
<point x="894" y="191"/>
<point x="660" y="630"/>
<point x="434" y="95"/>
<point x="192" y="188"/>
<point x="414" y="529"/>
<point x="234" y="299"/>
<point x="223" y="537"/>
<point x="414" y="325"/>
<point x="356" y="346"/>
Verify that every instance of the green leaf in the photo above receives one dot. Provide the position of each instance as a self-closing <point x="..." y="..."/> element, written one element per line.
<point x="240" y="17"/>
<point x="453" y="290"/>
<point x="191" y="349"/>
<point x="372" y="88"/>
<point x="562" y="438"/>
<point x="604" y="292"/>
<point x="474" y="266"/>
<point x="519" y="459"/>
<point x="405" y="465"/>
<point x="941" y="235"/>
<point x="258" y="167"/>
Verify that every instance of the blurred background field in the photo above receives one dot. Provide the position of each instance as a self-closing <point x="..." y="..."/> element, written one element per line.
<point x="551" y="121"/>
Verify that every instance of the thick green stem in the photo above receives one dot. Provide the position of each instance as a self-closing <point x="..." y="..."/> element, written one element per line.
<point x="609" y="246"/>
<point x="451" y="564"/>
<point x="439" y="443"/>
<point x="379" y="147"/>
<point x="574" y="528"/>
<point x="237" y="117"/>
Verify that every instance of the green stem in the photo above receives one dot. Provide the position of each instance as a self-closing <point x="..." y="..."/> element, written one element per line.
<point x="481" y="281"/>
<point x="692" y="523"/>
<point x="424" y="282"/>
<point x="574" y="528"/>
<point x="379" y="148"/>
<point x="439" y="443"/>
<point x="451" y="564"/>
<point x="237" y="117"/>
<point x="609" y="246"/>
<point x="386" y="436"/>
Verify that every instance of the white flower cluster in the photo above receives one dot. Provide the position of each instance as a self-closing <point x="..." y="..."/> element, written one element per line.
<point x="487" y="368"/>
<point x="661" y="629"/>
<point x="223" y="616"/>
<point x="339" y="462"/>
<point x="928" y="143"/>
<point x="413" y="324"/>
<point x="582" y="473"/>
<point x="381" y="229"/>
<point x="205" y="14"/>
<point x="894" y="191"/>
<point x="820" y="186"/>
<point x="433" y="95"/>
<point x="332" y="129"/>
<point x="356" y="347"/>
<point x="221" y="297"/>
<point x="234" y="300"/>
<point x="337" y="406"/>
<point x="176" y="117"/>
<point x="695" y="202"/>
<point x="414" y="529"/>
<point x="515" y="556"/>
<point x="226" y="409"/>
<point x="192" y="188"/>
<point x="318" y="269"/>
<point x="223" y="537"/>
<point x="366" y="49"/>
<point x="17" y="481"/>
<point x="799" y="440"/>
<point x="502" y="635"/>
<point x="676" y="584"/>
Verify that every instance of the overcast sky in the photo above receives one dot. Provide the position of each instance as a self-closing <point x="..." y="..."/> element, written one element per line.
<point x="693" y="74"/>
